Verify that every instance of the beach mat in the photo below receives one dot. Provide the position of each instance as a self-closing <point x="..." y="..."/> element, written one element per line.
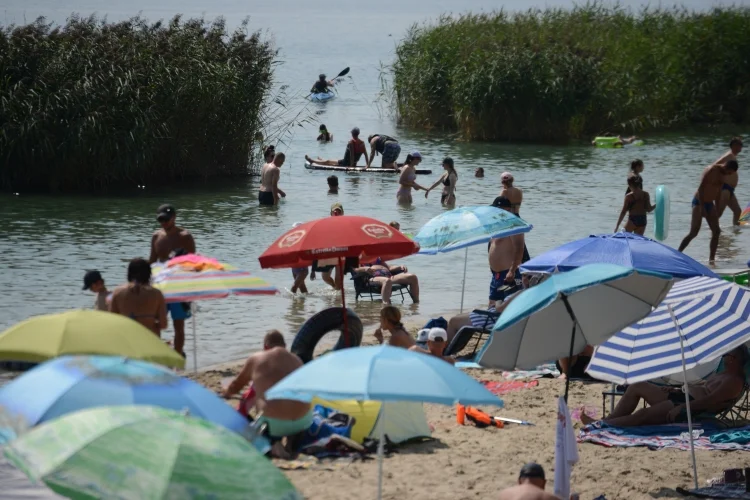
<point x="657" y="437"/>
<point x="506" y="386"/>
<point x="736" y="490"/>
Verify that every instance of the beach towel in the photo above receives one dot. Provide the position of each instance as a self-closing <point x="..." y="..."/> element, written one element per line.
<point x="657" y="437"/>
<point x="506" y="386"/>
<point x="548" y="370"/>
<point x="734" y="436"/>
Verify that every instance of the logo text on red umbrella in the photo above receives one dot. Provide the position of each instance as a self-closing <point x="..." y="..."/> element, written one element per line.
<point x="292" y="239"/>
<point x="377" y="231"/>
<point x="329" y="250"/>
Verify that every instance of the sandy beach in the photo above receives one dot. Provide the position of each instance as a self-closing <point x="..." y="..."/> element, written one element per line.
<point x="465" y="462"/>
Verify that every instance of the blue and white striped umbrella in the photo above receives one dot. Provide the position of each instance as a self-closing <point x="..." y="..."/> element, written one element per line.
<point x="710" y="313"/>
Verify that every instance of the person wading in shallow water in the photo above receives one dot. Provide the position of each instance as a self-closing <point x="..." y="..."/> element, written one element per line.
<point x="164" y="243"/>
<point x="269" y="191"/>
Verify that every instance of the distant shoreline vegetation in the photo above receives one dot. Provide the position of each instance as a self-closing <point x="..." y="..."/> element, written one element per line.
<point x="93" y="105"/>
<point x="551" y="75"/>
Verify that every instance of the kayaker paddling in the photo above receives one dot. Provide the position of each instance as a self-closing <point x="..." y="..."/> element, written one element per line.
<point x="322" y="85"/>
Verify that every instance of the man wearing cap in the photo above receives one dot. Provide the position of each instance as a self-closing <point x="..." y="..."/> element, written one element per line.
<point x="165" y="241"/>
<point x="531" y="484"/>
<point x="93" y="281"/>
<point x="355" y="148"/>
<point x="436" y="342"/>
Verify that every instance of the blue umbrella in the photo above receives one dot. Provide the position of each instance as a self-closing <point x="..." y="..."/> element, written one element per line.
<point x="594" y="302"/>
<point x="72" y="383"/>
<point x="382" y="373"/>
<point x="700" y="320"/>
<point x="625" y="249"/>
<point x="463" y="227"/>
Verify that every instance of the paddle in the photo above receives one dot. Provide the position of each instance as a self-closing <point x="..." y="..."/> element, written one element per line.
<point x="344" y="72"/>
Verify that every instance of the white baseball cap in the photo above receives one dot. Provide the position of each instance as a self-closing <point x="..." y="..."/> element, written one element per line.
<point x="422" y="335"/>
<point x="437" y="334"/>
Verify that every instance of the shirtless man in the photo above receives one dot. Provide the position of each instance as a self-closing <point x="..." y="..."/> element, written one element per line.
<point x="164" y="242"/>
<point x="138" y="300"/>
<point x="727" y="197"/>
<point x="667" y="404"/>
<point x="505" y="257"/>
<point x="284" y="417"/>
<point x="269" y="191"/>
<point x="437" y="340"/>
<point x="531" y="484"/>
<point x="704" y="205"/>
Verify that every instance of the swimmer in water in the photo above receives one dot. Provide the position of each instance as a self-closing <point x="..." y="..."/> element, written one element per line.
<point x="479" y="173"/>
<point x="324" y="135"/>
<point x="637" y="204"/>
<point x="636" y="168"/>
<point x="731" y="179"/>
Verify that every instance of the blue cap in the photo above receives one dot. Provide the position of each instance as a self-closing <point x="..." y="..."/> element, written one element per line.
<point x="415" y="154"/>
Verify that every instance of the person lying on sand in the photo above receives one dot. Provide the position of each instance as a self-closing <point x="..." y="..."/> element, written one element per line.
<point x="531" y="484"/>
<point x="390" y="321"/>
<point x="284" y="417"/>
<point x="667" y="404"/>
<point x="436" y="342"/>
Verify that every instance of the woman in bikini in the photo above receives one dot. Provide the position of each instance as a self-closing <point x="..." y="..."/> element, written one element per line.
<point x="448" y="180"/>
<point x="408" y="178"/>
<point x="382" y="273"/>
<point x="138" y="300"/>
<point x="390" y="321"/>
<point x="637" y="204"/>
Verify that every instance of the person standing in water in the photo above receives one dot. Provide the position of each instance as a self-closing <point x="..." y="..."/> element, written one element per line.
<point x="324" y="135"/>
<point x="139" y="301"/>
<point x="448" y="179"/>
<point x="636" y="168"/>
<point x="408" y="177"/>
<point x="731" y="179"/>
<point x="386" y="146"/>
<point x="269" y="191"/>
<point x="704" y="206"/>
<point x="637" y="204"/>
<point x="510" y="199"/>
<point x="164" y="242"/>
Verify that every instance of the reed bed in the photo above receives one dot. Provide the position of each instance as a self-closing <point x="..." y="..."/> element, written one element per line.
<point x="554" y="74"/>
<point x="93" y="105"/>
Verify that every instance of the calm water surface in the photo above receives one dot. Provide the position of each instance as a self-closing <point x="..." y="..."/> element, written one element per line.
<point x="570" y="191"/>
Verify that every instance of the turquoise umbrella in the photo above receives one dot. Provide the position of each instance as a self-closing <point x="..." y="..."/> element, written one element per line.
<point x="463" y="227"/>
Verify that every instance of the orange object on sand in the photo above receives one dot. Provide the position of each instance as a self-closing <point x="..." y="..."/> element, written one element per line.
<point x="195" y="262"/>
<point x="481" y="419"/>
<point x="460" y="414"/>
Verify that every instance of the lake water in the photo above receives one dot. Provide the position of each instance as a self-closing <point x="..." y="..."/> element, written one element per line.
<point x="569" y="191"/>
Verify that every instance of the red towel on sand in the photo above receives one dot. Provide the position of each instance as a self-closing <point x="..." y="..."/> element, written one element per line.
<point x="507" y="386"/>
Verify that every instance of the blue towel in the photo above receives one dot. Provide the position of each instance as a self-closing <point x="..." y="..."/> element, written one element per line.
<point x="741" y="436"/>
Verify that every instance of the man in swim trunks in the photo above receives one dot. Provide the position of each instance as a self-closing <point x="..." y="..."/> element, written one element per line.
<point x="269" y="191"/>
<point x="138" y="300"/>
<point x="704" y="205"/>
<point x="355" y="148"/>
<point x="437" y="340"/>
<point x="531" y="484"/>
<point x="667" y="405"/>
<point x="505" y="258"/>
<point x="284" y="417"/>
<point x="727" y="197"/>
<point x="386" y="146"/>
<point x="164" y="242"/>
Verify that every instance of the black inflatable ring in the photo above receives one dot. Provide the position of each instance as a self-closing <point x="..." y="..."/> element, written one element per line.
<point x="319" y="325"/>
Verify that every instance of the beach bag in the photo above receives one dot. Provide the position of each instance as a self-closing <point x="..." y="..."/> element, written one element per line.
<point x="440" y="322"/>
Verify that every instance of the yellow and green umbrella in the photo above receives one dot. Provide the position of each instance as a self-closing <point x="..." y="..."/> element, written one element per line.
<point x="146" y="453"/>
<point x="40" y="338"/>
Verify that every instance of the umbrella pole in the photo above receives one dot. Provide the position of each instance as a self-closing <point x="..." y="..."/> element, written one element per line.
<point x="381" y="449"/>
<point x="687" y="395"/>
<point x="463" y="282"/>
<point x="340" y="275"/>
<point x="195" y="343"/>
<point x="572" y="344"/>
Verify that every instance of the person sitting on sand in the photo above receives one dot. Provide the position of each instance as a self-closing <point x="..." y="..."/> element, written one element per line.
<point x="577" y="364"/>
<point x="531" y="484"/>
<point x="355" y="148"/>
<point x="284" y="417"/>
<point x="333" y="184"/>
<point x="138" y="300"/>
<point x="667" y="404"/>
<point x="385" y="274"/>
<point x="437" y="339"/>
<point x="390" y="321"/>
<point x="637" y="204"/>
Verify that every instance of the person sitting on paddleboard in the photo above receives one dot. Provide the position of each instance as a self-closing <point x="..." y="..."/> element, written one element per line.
<point x="637" y="203"/>
<point x="324" y="136"/>
<point x="322" y="85"/>
<point x="355" y="144"/>
<point x="448" y="180"/>
<point x="731" y="179"/>
<point x="636" y="168"/>
<point x="387" y="146"/>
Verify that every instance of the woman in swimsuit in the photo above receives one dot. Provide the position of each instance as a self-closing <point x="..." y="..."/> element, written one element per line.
<point x="390" y="321"/>
<point x="636" y="168"/>
<point x="408" y="177"/>
<point x="510" y="196"/>
<point x="637" y="204"/>
<point x="448" y="179"/>
<point x="386" y="275"/>
<point x="324" y="136"/>
<point x="138" y="300"/>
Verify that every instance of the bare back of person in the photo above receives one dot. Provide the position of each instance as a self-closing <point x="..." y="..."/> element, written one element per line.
<point x="268" y="368"/>
<point x="401" y="338"/>
<point x="526" y="492"/>
<point x="713" y="176"/>
<point x="515" y="196"/>
<point x="164" y="242"/>
<point x="141" y="303"/>
<point x="267" y="175"/>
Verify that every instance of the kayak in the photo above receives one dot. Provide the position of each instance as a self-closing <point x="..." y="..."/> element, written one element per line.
<point x="371" y="170"/>
<point x="322" y="96"/>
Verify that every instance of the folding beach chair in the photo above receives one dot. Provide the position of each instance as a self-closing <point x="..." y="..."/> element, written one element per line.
<point x="466" y="333"/>
<point x="364" y="286"/>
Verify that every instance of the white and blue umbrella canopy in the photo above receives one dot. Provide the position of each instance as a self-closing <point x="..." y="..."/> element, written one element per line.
<point x="712" y="315"/>
<point x="536" y="327"/>
<point x="463" y="227"/>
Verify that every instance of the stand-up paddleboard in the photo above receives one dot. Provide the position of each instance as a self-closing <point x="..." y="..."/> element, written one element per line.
<point x="371" y="170"/>
<point x="661" y="218"/>
<point x="745" y="216"/>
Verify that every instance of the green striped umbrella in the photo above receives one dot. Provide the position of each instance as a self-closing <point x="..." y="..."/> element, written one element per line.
<point x="144" y="452"/>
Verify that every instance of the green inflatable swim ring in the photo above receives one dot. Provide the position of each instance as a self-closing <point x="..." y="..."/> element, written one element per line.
<point x="606" y="142"/>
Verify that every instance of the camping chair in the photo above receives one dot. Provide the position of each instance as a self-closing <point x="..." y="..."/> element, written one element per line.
<point x="736" y="415"/>
<point x="466" y="333"/>
<point x="364" y="286"/>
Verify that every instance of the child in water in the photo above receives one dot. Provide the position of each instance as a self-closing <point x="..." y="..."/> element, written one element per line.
<point x="324" y="136"/>
<point x="636" y="168"/>
<point x="637" y="204"/>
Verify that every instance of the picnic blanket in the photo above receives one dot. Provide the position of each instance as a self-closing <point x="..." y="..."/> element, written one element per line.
<point x="657" y="437"/>
<point x="506" y="386"/>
